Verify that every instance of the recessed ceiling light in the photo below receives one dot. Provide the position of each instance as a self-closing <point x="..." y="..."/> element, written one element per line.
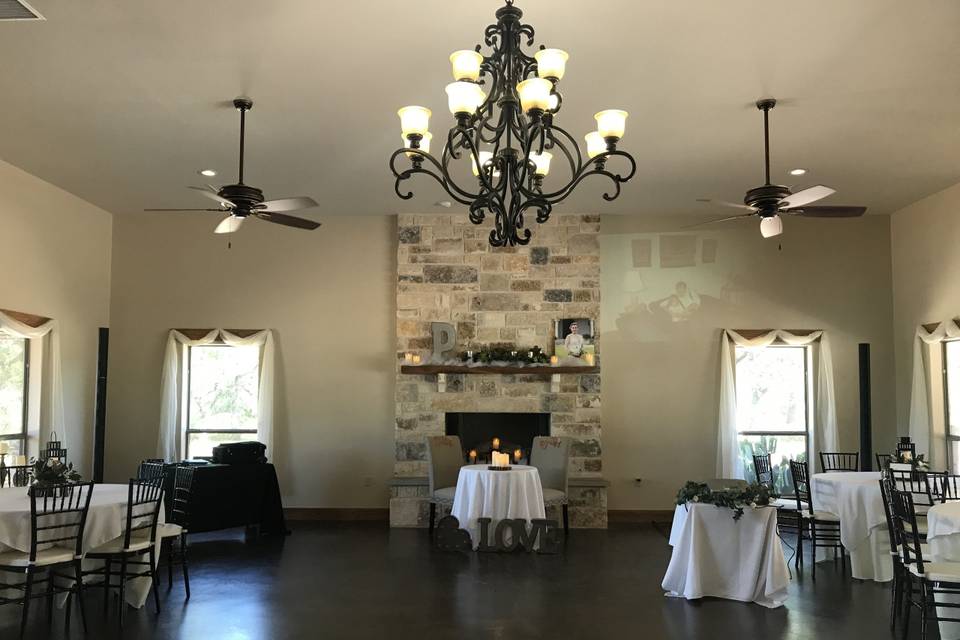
<point x="207" y="172"/>
<point x="797" y="172"/>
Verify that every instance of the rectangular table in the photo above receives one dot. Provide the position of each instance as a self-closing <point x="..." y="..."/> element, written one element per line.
<point x="717" y="556"/>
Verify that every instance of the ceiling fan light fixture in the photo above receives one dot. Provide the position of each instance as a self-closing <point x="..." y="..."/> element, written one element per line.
<point x="229" y="224"/>
<point x="771" y="226"/>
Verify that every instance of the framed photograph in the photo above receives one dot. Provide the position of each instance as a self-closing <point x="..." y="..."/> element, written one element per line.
<point x="574" y="337"/>
<point x="584" y="327"/>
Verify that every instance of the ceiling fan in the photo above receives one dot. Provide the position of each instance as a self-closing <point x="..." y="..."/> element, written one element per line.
<point x="241" y="201"/>
<point x="770" y="201"/>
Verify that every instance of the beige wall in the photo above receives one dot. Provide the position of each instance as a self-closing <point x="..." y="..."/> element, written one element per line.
<point x="925" y="237"/>
<point x="661" y="379"/>
<point x="55" y="252"/>
<point x="330" y="297"/>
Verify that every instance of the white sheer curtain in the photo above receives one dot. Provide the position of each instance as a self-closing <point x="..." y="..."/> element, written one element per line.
<point x="824" y="433"/>
<point x="169" y="441"/>
<point x="54" y="417"/>
<point x="921" y="426"/>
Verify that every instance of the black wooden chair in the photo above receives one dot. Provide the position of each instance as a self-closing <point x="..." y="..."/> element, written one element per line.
<point x="179" y="525"/>
<point x="824" y="528"/>
<point x="839" y="461"/>
<point x="917" y="484"/>
<point x="950" y="487"/>
<point x="151" y="469"/>
<point x="144" y="498"/>
<point x="882" y="460"/>
<point x="931" y="578"/>
<point x="763" y="470"/>
<point x="788" y="518"/>
<point x="16" y="476"/>
<point x="58" y="516"/>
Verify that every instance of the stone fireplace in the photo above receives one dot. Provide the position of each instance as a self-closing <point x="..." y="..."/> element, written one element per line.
<point x="447" y="272"/>
<point x="477" y="430"/>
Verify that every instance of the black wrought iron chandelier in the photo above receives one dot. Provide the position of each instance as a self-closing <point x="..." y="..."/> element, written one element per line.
<point x="505" y="105"/>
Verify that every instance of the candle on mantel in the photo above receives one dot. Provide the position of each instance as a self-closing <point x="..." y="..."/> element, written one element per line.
<point x="416" y="359"/>
<point x="517" y="454"/>
<point x="496" y="444"/>
<point x="589" y="358"/>
<point x="408" y="358"/>
<point x="554" y="360"/>
<point x="473" y="456"/>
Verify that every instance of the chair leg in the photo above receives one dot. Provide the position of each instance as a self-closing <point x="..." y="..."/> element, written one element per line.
<point x="183" y="563"/>
<point x="106" y="586"/>
<point x="813" y="546"/>
<point x="566" y="520"/>
<point x="169" y="544"/>
<point x="798" y="558"/>
<point x="923" y="610"/>
<point x="906" y="612"/>
<point x="153" y="578"/>
<point x="123" y="587"/>
<point x="895" y="594"/>
<point x="78" y="578"/>
<point x="433" y="515"/>
<point x="50" y="586"/>
<point x="27" y="594"/>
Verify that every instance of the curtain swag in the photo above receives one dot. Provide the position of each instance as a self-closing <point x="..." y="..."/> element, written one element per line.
<point x="169" y="442"/>
<point x="824" y="433"/>
<point x="54" y="416"/>
<point x="920" y="425"/>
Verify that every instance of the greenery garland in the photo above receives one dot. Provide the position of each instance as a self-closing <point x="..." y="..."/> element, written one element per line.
<point x="734" y="498"/>
<point x="506" y="352"/>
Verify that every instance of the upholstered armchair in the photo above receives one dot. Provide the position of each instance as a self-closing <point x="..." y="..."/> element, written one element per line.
<point x="551" y="457"/>
<point x="445" y="456"/>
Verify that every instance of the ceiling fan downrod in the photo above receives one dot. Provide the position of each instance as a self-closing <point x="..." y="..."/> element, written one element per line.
<point x="765" y="105"/>
<point x="243" y="105"/>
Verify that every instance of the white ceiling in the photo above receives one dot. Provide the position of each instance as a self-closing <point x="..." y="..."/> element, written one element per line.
<point x="121" y="103"/>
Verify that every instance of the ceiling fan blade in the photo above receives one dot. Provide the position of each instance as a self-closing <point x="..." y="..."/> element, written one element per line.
<point x="183" y="210"/>
<point x="828" y="212"/>
<point x="742" y="216"/>
<point x="724" y="203"/>
<point x="213" y="196"/>
<point x="806" y="196"/>
<point x="229" y="224"/>
<point x="287" y="204"/>
<point x="287" y="221"/>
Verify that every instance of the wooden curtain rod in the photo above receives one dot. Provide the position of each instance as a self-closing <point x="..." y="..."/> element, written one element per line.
<point x="26" y="318"/>
<point x="756" y="333"/>
<point x="196" y="334"/>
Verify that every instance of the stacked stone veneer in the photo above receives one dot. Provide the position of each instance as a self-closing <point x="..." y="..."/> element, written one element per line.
<point x="448" y="272"/>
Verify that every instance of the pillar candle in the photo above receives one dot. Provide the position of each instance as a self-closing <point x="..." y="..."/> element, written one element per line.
<point x="554" y="359"/>
<point x="416" y="359"/>
<point x="589" y="359"/>
<point x="473" y="455"/>
<point x="408" y="358"/>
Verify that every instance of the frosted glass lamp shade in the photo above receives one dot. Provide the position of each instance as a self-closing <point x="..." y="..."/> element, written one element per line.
<point x="611" y="123"/>
<point x="424" y="144"/>
<point x="551" y="63"/>
<point x="542" y="162"/>
<point x="414" y="120"/>
<point x="770" y="227"/>
<point x="464" y="97"/>
<point x="595" y="144"/>
<point x="229" y="224"/>
<point x="554" y="103"/>
<point x="466" y="65"/>
<point x="485" y="157"/>
<point x="535" y="94"/>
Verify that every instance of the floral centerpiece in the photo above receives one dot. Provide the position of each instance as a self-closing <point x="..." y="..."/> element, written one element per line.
<point x="52" y="473"/>
<point x="734" y="498"/>
<point x="918" y="462"/>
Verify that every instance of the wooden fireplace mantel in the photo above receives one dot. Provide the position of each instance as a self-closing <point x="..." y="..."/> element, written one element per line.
<point x="549" y="370"/>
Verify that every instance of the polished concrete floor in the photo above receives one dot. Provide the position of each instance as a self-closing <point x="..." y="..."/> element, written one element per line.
<point x="365" y="581"/>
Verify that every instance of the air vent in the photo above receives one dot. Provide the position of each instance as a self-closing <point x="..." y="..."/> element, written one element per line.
<point x="18" y="10"/>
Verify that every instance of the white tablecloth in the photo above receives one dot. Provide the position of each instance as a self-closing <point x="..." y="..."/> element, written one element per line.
<point x="105" y="521"/>
<point x="943" y="538"/>
<point x="855" y="498"/>
<point x="717" y="556"/>
<point x="482" y="493"/>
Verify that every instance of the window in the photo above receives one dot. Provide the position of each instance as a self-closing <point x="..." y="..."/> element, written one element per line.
<point x="951" y="384"/>
<point x="221" y="397"/>
<point x="14" y="385"/>
<point x="772" y="408"/>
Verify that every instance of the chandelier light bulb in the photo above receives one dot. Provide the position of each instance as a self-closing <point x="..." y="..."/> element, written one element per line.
<point x="466" y="65"/>
<point x="424" y="144"/>
<point x="595" y="144"/>
<point x="611" y="123"/>
<point x="414" y="120"/>
<point x="772" y="226"/>
<point x="535" y="94"/>
<point x="542" y="162"/>
<point x="464" y="97"/>
<point x="486" y="157"/>
<point x="551" y="63"/>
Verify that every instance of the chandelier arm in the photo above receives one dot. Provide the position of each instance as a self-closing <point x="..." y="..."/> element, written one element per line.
<point x="452" y="188"/>
<point x="598" y="164"/>
<point x="564" y="134"/>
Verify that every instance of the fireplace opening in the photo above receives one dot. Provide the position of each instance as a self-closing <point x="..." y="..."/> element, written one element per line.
<point x="513" y="430"/>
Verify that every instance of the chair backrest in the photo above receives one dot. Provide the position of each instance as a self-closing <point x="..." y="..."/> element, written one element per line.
<point x="800" y="473"/>
<point x="16" y="475"/>
<point x="916" y="483"/>
<point x="182" y="491"/>
<point x="445" y="456"/>
<point x="143" y="506"/>
<point x="761" y="466"/>
<point x="886" y="491"/>
<point x="151" y="470"/>
<point x="950" y="487"/>
<point x="882" y="460"/>
<point x="905" y="528"/>
<point x="830" y="461"/>
<point x="551" y="456"/>
<point x="58" y="516"/>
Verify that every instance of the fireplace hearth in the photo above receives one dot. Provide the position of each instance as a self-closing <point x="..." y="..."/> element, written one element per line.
<point x="514" y="431"/>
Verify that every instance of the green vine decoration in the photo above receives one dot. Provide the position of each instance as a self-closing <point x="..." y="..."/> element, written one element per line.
<point x="506" y="352"/>
<point x="734" y="498"/>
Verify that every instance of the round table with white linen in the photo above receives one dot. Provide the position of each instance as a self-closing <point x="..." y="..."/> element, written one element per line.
<point x="943" y="540"/>
<point x="854" y="497"/>
<point x="717" y="556"/>
<point x="105" y="521"/>
<point x="498" y="495"/>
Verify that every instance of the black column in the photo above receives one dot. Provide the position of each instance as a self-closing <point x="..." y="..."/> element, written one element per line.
<point x="100" y="405"/>
<point x="866" y="431"/>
